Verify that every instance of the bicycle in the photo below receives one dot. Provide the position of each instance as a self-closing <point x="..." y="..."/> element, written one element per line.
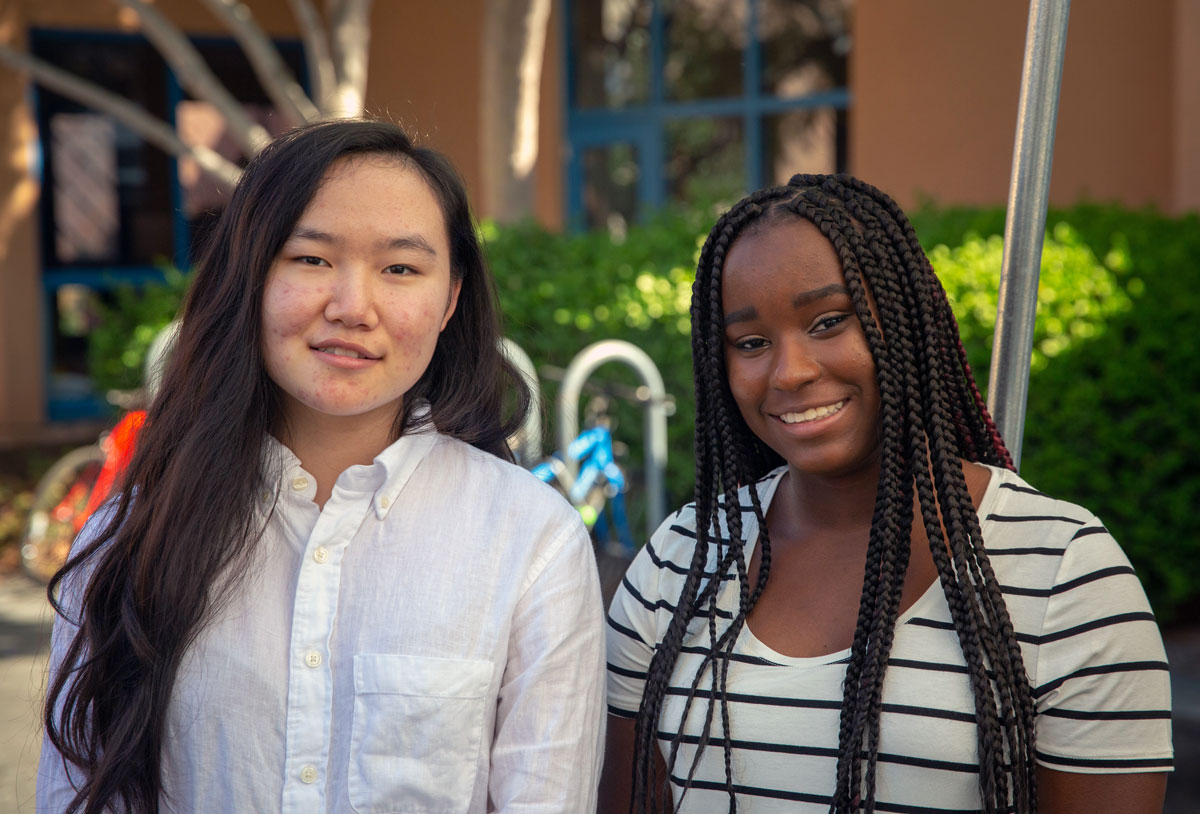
<point x="597" y="492"/>
<point x="79" y="483"/>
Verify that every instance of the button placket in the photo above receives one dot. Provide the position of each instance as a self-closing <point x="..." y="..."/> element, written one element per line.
<point x="310" y="684"/>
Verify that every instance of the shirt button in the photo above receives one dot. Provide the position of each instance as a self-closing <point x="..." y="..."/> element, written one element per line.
<point x="308" y="774"/>
<point x="384" y="502"/>
<point x="300" y="483"/>
<point x="321" y="554"/>
<point x="312" y="658"/>
<point x="266" y="496"/>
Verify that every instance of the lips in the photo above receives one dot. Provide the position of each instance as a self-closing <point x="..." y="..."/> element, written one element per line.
<point x="812" y="414"/>
<point x="344" y="349"/>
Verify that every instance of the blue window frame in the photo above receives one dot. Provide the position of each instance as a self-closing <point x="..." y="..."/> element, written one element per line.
<point x="115" y="210"/>
<point x="699" y="100"/>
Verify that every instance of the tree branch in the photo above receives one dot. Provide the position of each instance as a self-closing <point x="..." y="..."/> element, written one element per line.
<point x="153" y="130"/>
<point x="316" y="52"/>
<point x="275" y="76"/>
<point x="350" y="35"/>
<point x="525" y="146"/>
<point x="195" y="75"/>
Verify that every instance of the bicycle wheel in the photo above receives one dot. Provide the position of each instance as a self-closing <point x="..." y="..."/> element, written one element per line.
<point x="61" y="495"/>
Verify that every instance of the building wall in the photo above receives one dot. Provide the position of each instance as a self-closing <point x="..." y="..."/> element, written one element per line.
<point x="936" y="87"/>
<point x="22" y="397"/>
<point x="424" y="72"/>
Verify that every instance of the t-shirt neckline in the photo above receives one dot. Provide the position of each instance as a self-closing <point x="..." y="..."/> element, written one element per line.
<point x="750" y="645"/>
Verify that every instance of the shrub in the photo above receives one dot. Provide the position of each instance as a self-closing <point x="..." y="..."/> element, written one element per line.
<point x="1113" y="416"/>
<point x="117" y="346"/>
<point x="1113" y="419"/>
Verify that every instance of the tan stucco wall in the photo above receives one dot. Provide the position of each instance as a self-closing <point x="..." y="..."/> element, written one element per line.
<point x="424" y="73"/>
<point x="1186" y="106"/>
<point x="22" y="397"/>
<point x="936" y="86"/>
<point x="431" y="86"/>
<point x="934" y="83"/>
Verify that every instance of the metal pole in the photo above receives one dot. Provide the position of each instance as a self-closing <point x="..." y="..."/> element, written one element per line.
<point x="1025" y="227"/>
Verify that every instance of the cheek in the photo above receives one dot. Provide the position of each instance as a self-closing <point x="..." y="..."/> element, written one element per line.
<point x="415" y="323"/>
<point x="288" y="308"/>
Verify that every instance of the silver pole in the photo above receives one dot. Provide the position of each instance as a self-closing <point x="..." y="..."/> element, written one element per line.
<point x="1025" y="226"/>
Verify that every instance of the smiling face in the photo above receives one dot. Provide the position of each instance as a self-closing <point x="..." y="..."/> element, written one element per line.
<point x="798" y="363"/>
<point x="355" y="300"/>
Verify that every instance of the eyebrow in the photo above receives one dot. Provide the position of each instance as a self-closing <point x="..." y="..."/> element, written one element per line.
<point x="798" y="301"/>
<point x="415" y="242"/>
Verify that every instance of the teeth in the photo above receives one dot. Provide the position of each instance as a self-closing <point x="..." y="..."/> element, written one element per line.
<point x="341" y="352"/>
<point x="813" y="414"/>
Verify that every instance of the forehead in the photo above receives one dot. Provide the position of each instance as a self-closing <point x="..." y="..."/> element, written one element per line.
<point x="376" y="194"/>
<point x="783" y="254"/>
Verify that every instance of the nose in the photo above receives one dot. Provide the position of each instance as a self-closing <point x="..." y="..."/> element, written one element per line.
<point x="351" y="299"/>
<point x="793" y="365"/>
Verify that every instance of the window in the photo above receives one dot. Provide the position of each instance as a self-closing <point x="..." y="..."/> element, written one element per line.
<point x="699" y="101"/>
<point x="114" y="209"/>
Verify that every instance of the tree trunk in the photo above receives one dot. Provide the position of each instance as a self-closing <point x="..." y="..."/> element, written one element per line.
<point x="514" y="45"/>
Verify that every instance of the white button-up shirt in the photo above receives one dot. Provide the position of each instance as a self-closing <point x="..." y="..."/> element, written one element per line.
<point x="429" y="641"/>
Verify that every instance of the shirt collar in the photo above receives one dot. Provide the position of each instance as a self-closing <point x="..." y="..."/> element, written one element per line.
<point x="401" y="458"/>
<point x="386" y="475"/>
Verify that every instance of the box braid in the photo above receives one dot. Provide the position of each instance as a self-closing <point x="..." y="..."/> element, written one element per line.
<point x="932" y="415"/>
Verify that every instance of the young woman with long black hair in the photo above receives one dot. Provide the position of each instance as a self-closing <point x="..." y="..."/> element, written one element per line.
<point x="865" y="608"/>
<point x="323" y="585"/>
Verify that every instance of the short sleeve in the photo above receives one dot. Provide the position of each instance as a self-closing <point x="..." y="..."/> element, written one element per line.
<point x="633" y="625"/>
<point x="1102" y="689"/>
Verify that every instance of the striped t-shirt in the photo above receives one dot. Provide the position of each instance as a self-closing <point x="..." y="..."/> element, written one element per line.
<point x="1089" y="641"/>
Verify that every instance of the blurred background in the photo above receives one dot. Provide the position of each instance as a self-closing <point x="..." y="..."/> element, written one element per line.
<point x="599" y="139"/>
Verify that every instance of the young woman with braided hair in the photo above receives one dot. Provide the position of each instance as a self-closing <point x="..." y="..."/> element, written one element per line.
<point x="865" y="608"/>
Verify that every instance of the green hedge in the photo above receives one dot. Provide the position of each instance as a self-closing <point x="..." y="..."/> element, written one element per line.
<point x="117" y="346"/>
<point x="1113" y="419"/>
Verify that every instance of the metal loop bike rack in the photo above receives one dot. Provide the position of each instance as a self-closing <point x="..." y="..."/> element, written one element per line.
<point x="526" y="443"/>
<point x="654" y="409"/>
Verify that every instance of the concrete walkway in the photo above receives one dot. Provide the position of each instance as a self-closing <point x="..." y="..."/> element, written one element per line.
<point x="24" y="640"/>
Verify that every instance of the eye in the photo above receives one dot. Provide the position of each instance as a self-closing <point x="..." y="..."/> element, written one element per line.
<point x="310" y="260"/>
<point x="749" y="343"/>
<point x="400" y="269"/>
<point x="829" y="322"/>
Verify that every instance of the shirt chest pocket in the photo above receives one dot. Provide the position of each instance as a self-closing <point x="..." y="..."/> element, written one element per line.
<point x="418" y="723"/>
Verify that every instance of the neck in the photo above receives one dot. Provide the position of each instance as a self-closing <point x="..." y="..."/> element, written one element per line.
<point x="830" y="504"/>
<point x="329" y="445"/>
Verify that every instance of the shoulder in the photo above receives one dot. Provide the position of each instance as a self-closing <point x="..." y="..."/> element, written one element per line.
<point x="663" y="564"/>
<point x="497" y="503"/>
<point x="473" y="471"/>
<point x="1040" y="545"/>
<point x="1020" y="519"/>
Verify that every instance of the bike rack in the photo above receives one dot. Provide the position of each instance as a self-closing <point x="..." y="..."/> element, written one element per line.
<point x="654" y="408"/>
<point x="526" y="443"/>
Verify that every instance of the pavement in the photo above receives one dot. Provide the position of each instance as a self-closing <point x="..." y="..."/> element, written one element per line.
<point x="25" y="619"/>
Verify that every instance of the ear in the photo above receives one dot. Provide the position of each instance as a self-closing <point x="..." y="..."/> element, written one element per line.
<point x="452" y="302"/>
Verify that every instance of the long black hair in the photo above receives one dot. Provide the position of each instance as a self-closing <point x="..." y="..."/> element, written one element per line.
<point x="185" y="516"/>
<point x="932" y="416"/>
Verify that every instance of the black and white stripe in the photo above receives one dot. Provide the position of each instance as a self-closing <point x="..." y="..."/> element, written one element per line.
<point x="1089" y="641"/>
